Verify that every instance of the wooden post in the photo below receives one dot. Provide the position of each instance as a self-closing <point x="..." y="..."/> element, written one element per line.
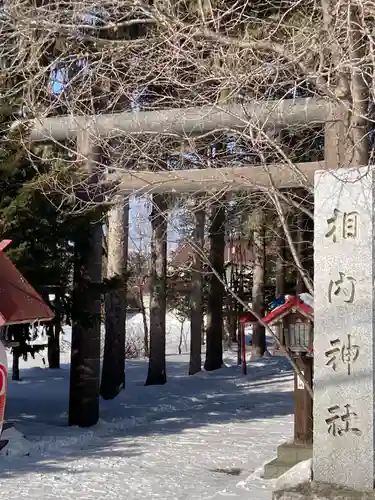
<point x="303" y="405"/>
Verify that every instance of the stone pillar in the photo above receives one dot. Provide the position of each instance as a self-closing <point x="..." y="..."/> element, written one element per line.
<point x="344" y="330"/>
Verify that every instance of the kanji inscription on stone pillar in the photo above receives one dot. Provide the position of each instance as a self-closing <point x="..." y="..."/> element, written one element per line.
<point x="344" y="327"/>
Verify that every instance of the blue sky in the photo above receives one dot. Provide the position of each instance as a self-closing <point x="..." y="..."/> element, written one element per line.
<point x="140" y="226"/>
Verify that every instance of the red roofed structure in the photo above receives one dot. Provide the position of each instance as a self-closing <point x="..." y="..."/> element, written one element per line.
<point x="248" y="317"/>
<point x="293" y="304"/>
<point x="294" y="324"/>
<point x="294" y="320"/>
<point x="19" y="302"/>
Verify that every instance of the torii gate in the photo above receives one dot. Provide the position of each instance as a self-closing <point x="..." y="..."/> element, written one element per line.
<point x="194" y="122"/>
<point x="183" y="123"/>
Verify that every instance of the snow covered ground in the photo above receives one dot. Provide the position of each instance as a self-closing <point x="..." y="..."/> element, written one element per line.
<point x="199" y="437"/>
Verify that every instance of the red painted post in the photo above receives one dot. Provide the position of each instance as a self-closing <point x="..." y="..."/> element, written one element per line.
<point x="243" y="345"/>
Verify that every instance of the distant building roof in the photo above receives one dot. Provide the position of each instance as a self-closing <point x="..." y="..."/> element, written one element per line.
<point x="237" y="251"/>
<point x="19" y="302"/>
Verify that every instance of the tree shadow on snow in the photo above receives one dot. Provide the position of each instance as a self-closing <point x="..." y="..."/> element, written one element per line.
<point x="183" y="404"/>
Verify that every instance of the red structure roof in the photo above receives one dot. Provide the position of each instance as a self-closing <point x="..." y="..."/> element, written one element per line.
<point x="19" y="302"/>
<point x="248" y="317"/>
<point x="292" y="304"/>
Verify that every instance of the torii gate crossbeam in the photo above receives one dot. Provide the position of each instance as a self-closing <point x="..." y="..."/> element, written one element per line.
<point x="226" y="179"/>
<point x="193" y="121"/>
<point x="187" y="121"/>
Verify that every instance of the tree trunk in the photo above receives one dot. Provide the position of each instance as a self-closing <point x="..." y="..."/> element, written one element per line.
<point x="280" y="264"/>
<point x="234" y="324"/>
<point x="309" y="248"/>
<point x="53" y="353"/>
<point x="86" y="314"/>
<point x="229" y="301"/>
<point x="85" y="349"/>
<point x="346" y="142"/>
<point x="144" y="320"/>
<point x="156" y="367"/>
<point x="16" y="364"/>
<point x="233" y="310"/>
<point x="53" y="349"/>
<point x="113" y="370"/>
<point x="214" y="335"/>
<point x="181" y="337"/>
<point x="280" y="275"/>
<point x="196" y="319"/>
<point x="231" y="323"/>
<point x="300" y="248"/>
<point x="259" y="334"/>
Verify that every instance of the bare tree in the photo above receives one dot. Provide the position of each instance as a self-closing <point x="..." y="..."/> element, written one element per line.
<point x="139" y="278"/>
<point x="214" y="329"/>
<point x="275" y="51"/>
<point x="258" y="240"/>
<point x="53" y="331"/>
<point x="113" y="370"/>
<point x="157" y="367"/>
<point x="196" y="318"/>
<point x="86" y="312"/>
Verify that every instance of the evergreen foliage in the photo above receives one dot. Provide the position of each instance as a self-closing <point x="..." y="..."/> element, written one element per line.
<point x="41" y="231"/>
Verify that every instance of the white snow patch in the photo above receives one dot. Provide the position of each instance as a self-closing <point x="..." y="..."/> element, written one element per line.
<point x="174" y="332"/>
<point x="256" y="482"/>
<point x="307" y="298"/>
<point x="300" y="473"/>
<point x="17" y="445"/>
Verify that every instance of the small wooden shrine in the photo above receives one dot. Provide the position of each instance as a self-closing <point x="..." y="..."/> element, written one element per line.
<point x="293" y="324"/>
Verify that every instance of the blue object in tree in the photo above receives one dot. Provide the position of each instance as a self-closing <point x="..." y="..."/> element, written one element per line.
<point x="276" y="303"/>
